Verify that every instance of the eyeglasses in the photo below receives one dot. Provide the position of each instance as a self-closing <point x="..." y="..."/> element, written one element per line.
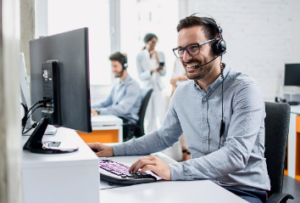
<point x="192" y="49"/>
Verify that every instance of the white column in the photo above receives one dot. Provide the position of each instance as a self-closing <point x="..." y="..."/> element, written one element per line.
<point x="10" y="128"/>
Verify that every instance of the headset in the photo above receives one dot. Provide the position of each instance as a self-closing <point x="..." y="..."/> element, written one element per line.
<point x="125" y="64"/>
<point x="219" y="48"/>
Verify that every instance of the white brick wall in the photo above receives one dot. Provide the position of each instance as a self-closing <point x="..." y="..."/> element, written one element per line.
<point x="258" y="36"/>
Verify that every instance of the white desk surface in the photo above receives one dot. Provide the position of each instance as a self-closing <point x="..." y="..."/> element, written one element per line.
<point x="170" y="192"/>
<point x="165" y="191"/>
<point x="67" y="136"/>
<point x="70" y="177"/>
<point x="295" y="109"/>
<point x="103" y="120"/>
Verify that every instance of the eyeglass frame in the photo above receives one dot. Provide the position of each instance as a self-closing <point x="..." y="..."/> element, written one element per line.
<point x="185" y="48"/>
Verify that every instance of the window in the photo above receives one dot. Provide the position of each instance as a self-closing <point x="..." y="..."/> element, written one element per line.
<point x="141" y="17"/>
<point x="68" y="15"/>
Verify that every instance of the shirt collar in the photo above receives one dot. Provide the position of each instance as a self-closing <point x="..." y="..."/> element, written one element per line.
<point x="126" y="80"/>
<point x="216" y="83"/>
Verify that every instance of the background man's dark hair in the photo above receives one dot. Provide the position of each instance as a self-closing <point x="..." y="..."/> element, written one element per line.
<point x="117" y="57"/>
<point x="210" y="31"/>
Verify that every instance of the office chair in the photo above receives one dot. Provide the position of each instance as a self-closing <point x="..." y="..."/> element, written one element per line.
<point x="276" y="134"/>
<point x="137" y="130"/>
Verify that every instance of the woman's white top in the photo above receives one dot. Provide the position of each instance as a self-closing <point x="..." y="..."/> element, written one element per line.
<point x="178" y="71"/>
<point x="145" y="64"/>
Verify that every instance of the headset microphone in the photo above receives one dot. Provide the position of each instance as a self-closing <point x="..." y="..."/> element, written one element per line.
<point x="198" y="66"/>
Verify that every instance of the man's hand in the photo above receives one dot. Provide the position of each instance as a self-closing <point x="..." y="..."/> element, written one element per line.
<point x="153" y="164"/>
<point x="94" y="112"/>
<point x="159" y="68"/>
<point x="103" y="150"/>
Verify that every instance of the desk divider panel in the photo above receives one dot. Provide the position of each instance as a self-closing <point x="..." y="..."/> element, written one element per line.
<point x="101" y="136"/>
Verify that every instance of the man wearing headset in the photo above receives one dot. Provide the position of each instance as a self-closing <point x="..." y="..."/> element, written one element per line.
<point x="229" y="153"/>
<point x="124" y="100"/>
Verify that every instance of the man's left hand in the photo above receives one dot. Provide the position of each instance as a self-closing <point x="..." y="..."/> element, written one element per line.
<point x="153" y="164"/>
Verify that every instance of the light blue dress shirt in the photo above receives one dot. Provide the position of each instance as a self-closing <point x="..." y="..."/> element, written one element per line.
<point x="239" y="162"/>
<point x="124" y="100"/>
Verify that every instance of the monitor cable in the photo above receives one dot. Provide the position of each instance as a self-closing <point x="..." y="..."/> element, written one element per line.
<point x="27" y="115"/>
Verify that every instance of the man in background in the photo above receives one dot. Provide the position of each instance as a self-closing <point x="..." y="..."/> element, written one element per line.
<point x="124" y="99"/>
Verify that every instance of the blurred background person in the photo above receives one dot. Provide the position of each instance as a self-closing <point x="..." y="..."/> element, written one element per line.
<point x="124" y="99"/>
<point x="178" y="76"/>
<point x="151" y="67"/>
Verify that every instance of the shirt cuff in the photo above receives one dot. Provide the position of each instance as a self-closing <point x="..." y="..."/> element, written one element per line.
<point x="104" y="111"/>
<point x="176" y="171"/>
<point x="119" y="150"/>
<point x="183" y="171"/>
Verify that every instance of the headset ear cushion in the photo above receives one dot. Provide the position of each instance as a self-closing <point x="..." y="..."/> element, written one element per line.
<point x="219" y="47"/>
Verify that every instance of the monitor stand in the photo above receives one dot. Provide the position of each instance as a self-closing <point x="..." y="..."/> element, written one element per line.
<point x="35" y="144"/>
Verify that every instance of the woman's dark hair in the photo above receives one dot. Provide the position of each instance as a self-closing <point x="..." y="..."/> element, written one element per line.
<point x="210" y="31"/>
<point x="149" y="36"/>
<point x="117" y="57"/>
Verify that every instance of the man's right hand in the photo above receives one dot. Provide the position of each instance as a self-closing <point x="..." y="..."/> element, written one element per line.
<point x="103" y="150"/>
<point x="94" y="112"/>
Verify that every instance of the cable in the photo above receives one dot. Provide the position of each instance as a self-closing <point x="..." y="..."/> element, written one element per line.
<point x="32" y="111"/>
<point x="222" y="127"/>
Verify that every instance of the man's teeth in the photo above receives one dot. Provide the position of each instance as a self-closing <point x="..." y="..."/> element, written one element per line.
<point x="191" y="65"/>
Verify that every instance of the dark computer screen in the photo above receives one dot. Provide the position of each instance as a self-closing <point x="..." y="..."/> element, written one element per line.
<point x="292" y="74"/>
<point x="70" y="49"/>
<point x="59" y="70"/>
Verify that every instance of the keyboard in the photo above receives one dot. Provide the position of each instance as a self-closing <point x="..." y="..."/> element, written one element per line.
<point x="117" y="173"/>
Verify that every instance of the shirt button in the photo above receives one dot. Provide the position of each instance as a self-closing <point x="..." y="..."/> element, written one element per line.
<point x="204" y="99"/>
<point x="204" y="119"/>
<point x="204" y="140"/>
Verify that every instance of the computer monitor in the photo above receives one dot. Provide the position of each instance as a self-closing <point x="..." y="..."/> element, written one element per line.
<point x="292" y="74"/>
<point x="59" y="74"/>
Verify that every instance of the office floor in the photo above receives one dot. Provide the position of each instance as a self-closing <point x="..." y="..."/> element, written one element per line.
<point x="292" y="187"/>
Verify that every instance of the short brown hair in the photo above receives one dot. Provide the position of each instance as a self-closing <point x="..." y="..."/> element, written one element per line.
<point x="210" y="31"/>
<point x="117" y="57"/>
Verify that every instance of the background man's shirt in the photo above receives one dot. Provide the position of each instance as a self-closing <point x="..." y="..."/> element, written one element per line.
<point x="124" y="100"/>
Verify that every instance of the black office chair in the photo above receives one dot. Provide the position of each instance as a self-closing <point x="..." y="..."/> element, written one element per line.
<point x="137" y="130"/>
<point x="277" y="129"/>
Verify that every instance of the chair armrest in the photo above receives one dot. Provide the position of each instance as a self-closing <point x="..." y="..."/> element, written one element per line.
<point x="279" y="198"/>
<point x="130" y="124"/>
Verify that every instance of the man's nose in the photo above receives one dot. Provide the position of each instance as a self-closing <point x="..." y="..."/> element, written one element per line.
<point x="186" y="56"/>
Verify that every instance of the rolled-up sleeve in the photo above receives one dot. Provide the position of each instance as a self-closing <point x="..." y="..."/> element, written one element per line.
<point x="105" y="103"/>
<point x="131" y="96"/>
<point x="144" y="72"/>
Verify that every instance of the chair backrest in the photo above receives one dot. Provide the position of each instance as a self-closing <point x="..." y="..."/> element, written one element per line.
<point x="145" y="94"/>
<point x="276" y="133"/>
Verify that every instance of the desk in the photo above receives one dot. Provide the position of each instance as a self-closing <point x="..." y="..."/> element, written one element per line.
<point x="106" y="129"/>
<point x="61" y="178"/>
<point x="293" y="168"/>
<point x="166" y="191"/>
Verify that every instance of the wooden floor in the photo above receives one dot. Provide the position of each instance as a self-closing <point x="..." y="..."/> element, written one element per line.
<point x="291" y="186"/>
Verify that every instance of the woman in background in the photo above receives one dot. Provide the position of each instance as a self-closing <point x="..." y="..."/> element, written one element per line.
<point x="151" y="67"/>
